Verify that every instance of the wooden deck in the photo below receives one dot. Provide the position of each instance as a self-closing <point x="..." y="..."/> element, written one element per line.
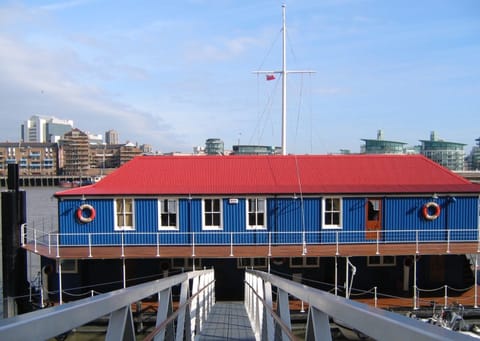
<point x="240" y="251"/>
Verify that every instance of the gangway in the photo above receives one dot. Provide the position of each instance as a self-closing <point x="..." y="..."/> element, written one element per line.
<point x="198" y="317"/>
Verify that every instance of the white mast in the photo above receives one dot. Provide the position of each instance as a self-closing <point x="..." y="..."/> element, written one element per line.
<point x="284" y="73"/>
<point x="284" y="83"/>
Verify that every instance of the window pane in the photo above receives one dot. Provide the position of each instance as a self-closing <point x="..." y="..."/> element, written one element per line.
<point x="251" y="219"/>
<point x="216" y="219"/>
<point x="216" y="205"/>
<point x="260" y="219"/>
<point x="172" y="206"/>
<point x="208" y="205"/>
<point x="335" y="219"/>
<point x="208" y="219"/>
<point x="328" y="204"/>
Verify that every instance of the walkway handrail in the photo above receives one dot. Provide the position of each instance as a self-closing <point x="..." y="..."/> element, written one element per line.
<point x="50" y="322"/>
<point x="375" y="323"/>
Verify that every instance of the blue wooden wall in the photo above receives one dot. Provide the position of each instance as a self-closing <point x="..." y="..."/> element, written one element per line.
<point x="286" y="216"/>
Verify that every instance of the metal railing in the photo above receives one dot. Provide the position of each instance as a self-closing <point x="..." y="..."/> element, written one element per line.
<point x="197" y="296"/>
<point x="375" y="323"/>
<point x="53" y="241"/>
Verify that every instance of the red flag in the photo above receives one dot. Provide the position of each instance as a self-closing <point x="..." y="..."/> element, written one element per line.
<point x="270" y="77"/>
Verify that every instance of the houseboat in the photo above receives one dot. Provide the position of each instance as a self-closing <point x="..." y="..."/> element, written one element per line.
<point x="295" y="215"/>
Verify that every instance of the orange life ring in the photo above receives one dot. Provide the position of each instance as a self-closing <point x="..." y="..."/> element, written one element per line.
<point x="89" y="213"/>
<point x="428" y="207"/>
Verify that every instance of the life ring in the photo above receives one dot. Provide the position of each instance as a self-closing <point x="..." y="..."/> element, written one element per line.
<point x="429" y="206"/>
<point x="89" y="213"/>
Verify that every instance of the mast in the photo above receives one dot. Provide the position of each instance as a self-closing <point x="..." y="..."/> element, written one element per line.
<point x="284" y="73"/>
<point x="284" y="84"/>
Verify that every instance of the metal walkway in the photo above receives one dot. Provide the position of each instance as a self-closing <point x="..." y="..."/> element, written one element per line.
<point x="265" y="314"/>
<point x="227" y="321"/>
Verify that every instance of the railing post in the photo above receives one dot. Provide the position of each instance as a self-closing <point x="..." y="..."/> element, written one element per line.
<point x="183" y="320"/>
<point x="231" y="244"/>
<point x="445" y="304"/>
<point x="448" y="241"/>
<point x="49" y="244"/>
<point x="35" y="239"/>
<point x="158" y="244"/>
<point x="164" y="310"/>
<point x="193" y="244"/>
<point x="58" y="246"/>
<point x="376" y="298"/>
<point x="23" y="233"/>
<point x="123" y="247"/>
<point x="318" y="326"/>
<point x="336" y="243"/>
<point x="89" y="245"/>
<point x="283" y="310"/>
<point x="416" y="242"/>
<point x="268" y="331"/>
<point x="269" y="244"/>
<point x="378" y="243"/>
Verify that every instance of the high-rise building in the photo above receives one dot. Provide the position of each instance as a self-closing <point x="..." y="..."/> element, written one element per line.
<point x="214" y="146"/>
<point x="474" y="156"/>
<point x="44" y="129"/>
<point x="447" y="154"/>
<point x="381" y="146"/>
<point x="111" y="137"/>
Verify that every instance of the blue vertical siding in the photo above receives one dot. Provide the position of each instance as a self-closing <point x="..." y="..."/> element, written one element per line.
<point x="402" y="217"/>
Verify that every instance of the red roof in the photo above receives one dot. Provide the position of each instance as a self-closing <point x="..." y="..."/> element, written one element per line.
<point x="291" y="174"/>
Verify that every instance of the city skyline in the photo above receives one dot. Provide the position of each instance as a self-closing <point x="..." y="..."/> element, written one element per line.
<point x="173" y="75"/>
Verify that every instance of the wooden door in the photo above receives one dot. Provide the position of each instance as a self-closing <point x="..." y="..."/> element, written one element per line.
<point x="373" y="215"/>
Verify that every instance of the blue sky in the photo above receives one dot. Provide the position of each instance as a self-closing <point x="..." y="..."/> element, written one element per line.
<point x="174" y="73"/>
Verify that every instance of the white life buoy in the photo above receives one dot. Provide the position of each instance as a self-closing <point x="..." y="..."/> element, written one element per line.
<point x="431" y="206"/>
<point x="86" y="213"/>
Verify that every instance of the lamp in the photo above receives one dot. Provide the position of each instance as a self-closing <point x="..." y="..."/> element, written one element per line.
<point x="435" y="196"/>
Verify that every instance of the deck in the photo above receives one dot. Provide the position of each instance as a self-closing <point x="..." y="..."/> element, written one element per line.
<point x="227" y="321"/>
<point x="239" y="251"/>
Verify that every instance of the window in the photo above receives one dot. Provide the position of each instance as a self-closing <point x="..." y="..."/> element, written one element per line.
<point x="69" y="266"/>
<point x="243" y="263"/>
<point x="332" y="213"/>
<point x="304" y="262"/>
<point x="381" y="261"/>
<point x="256" y="214"/>
<point x="212" y="214"/>
<point x="168" y="214"/>
<point x="124" y="214"/>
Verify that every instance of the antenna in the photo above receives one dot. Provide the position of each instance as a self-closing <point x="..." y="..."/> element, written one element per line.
<point x="284" y="73"/>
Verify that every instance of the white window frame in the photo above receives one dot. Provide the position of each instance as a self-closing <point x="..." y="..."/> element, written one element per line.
<point x="381" y="262"/>
<point x="160" y="212"/>
<point x="256" y="212"/>
<point x="212" y="227"/>
<point x="340" y="212"/>
<point x="125" y="227"/>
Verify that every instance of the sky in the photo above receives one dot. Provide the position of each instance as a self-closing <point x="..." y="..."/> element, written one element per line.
<point x="175" y="73"/>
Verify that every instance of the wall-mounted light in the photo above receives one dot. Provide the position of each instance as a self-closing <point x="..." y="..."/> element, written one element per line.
<point x="435" y="196"/>
<point x="452" y="199"/>
<point x="83" y="197"/>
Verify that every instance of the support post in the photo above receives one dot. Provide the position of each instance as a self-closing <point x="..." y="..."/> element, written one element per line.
<point x="336" y="276"/>
<point x="415" y="307"/>
<point x="476" y="281"/>
<point x="60" y="284"/>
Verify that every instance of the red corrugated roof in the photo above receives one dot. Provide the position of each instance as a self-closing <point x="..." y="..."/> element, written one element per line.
<point x="308" y="174"/>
